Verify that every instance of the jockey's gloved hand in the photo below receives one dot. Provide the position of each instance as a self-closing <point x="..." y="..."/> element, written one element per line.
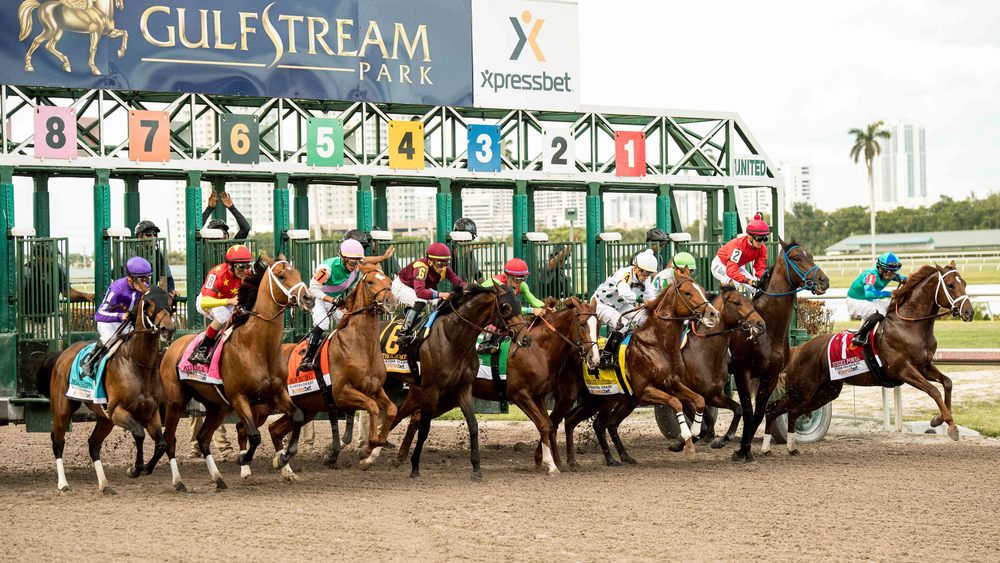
<point x="128" y="317"/>
<point x="884" y="294"/>
<point x="899" y="277"/>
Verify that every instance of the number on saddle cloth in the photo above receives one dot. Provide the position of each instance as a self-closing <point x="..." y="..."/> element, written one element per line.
<point x="89" y="389"/>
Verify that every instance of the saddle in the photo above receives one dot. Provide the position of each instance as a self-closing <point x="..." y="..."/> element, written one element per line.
<point x="495" y="364"/>
<point x="89" y="389"/>
<point x="204" y="373"/>
<point x="301" y="382"/>
<point x="611" y="381"/>
<point x="405" y="359"/>
<point x="847" y="360"/>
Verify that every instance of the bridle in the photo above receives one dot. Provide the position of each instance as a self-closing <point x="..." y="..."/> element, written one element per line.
<point x="290" y="300"/>
<point x="581" y="346"/>
<point x="696" y="314"/>
<point x="954" y="303"/>
<point x="377" y="304"/>
<point x="741" y="324"/>
<point x="521" y="326"/>
<point x="808" y="283"/>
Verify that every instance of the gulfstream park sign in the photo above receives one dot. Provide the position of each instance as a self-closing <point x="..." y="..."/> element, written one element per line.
<point x="404" y="51"/>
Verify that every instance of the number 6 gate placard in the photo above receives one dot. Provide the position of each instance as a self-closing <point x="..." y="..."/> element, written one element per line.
<point x="484" y="148"/>
<point x="324" y="142"/>
<point x="558" y="150"/>
<point x="240" y="139"/>
<point x="148" y="136"/>
<point x="55" y="132"/>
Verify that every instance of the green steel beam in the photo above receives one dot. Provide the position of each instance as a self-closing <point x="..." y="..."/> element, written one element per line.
<point x="281" y="214"/>
<point x="730" y="216"/>
<point x="300" y="213"/>
<point x="595" y="216"/>
<point x="775" y="211"/>
<point x="219" y="186"/>
<point x="444" y="217"/>
<point x="40" y="206"/>
<point x="192" y="222"/>
<point x="531" y="208"/>
<point x="457" y="210"/>
<point x="380" y="204"/>
<point x="8" y="287"/>
<point x="674" y="214"/>
<point x="712" y="216"/>
<point x="102" y="222"/>
<point x="520" y="208"/>
<point x="663" y="217"/>
<point x="132" y="209"/>
<point x="364" y="204"/>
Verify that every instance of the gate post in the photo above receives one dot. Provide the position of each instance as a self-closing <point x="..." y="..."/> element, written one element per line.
<point x="280" y="202"/>
<point x="531" y="208"/>
<point x="520" y="207"/>
<point x="218" y="186"/>
<point x="380" y="204"/>
<point x="364" y="204"/>
<point x="102" y="222"/>
<point x="300" y="217"/>
<point x="192" y="223"/>
<point x="730" y="214"/>
<point x="41" y="206"/>
<point x="457" y="210"/>
<point x="712" y="215"/>
<point x="595" y="217"/>
<point x="132" y="212"/>
<point x="6" y="248"/>
<point x="444" y="217"/>
<point x="663" y="216"/>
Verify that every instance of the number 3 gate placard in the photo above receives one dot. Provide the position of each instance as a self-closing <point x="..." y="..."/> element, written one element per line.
<point x="55" y="132"/>
<point x="484" y="148"/>
<point x="324" y="142"/>
<point x="558" y="150"/>
<point x="148" y="136"/>
<point x="240" y="139"/>
<point x="630" y="153"/>
<point x="406" y="145"/>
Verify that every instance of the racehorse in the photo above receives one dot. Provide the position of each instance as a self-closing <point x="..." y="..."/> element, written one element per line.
<point x="130" y="380"/>
<point x="357" y="374"/>
<point x="568" y="335"/>
<point x="449" y="363"/>
<point x="794" y="271"/>
<point x="93" y="17"/>
<point x="905" y="342"/>
<point x="653" y="362"/>
<point x="250" y="365"/>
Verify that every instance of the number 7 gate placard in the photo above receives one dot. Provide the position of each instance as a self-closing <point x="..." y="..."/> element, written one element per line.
<point x="55" y="132"/>
<point x="324" y="142"/>
<point x="148" y="136"/>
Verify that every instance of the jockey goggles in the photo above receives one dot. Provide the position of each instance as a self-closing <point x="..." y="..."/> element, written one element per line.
<point x="440" y="262"/>
<point x="241" y="266"/>
<point x="142" y="279"/>
<point x="759" y="238"/>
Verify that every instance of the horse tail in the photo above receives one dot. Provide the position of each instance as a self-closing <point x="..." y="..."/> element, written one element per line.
<point x="24" y="15"/>
<point x="44" y="374"/>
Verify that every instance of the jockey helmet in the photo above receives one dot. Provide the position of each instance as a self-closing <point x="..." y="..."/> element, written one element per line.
<point x="465" y="224"/>
<point x="351" y="248"/>
<point x="889" y="261"/>
<point x="138" y="266"/>
<point x="516" y="267"/>
<point x="657" y="235"/>
<point x="217" y="224"/>
<point x="238" y="253"/>
<point x="646" y="261"/>
<point x="438" y="251"/>
<point x="684" y="260"/>
<point x="758" y="226"/>
<point x="361" y="236"/>
<point x="146" y="228"/>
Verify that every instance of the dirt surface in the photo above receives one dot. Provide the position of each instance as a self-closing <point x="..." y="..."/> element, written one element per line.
<point x="853" y="496"/>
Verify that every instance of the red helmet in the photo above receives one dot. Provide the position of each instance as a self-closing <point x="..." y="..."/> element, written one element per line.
<point x="516" y="267"/>
<point x="439" y="251"/>
<point x="758" y="226"/>
<point x="238" y="253"/>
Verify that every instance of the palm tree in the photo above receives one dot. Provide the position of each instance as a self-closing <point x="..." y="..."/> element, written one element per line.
<point x="866" y="144"/>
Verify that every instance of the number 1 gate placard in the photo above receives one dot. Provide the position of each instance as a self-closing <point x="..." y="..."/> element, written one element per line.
<point x="240" y="139"/>
<point x="55" y="132"/>
<point x="406" y="145"/>
<point x="148" y="136"/>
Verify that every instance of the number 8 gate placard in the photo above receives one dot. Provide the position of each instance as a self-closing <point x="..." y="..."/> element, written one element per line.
<point x="240" y="139"/>
<point x="324" y="142"/>
<point x="148" y="136"/>
<point x="55" y="132"/>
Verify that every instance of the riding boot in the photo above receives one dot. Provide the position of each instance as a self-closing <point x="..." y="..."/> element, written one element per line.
<point x="610" y="348"/>
<point x="310" y="360"/>
<point x="93" y="359"/>
<point x="202" y="354"/>
<point x="489" y="345"/>
<point x="861" y="338"/>
<point x="407" y="330"/>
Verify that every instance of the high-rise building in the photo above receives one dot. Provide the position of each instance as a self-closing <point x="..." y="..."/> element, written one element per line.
<point x="798" y="183"/>
<point x="900" y="171"/>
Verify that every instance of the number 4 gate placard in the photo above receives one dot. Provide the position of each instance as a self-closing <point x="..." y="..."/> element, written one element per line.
<point x="484" y="148"/>
<point x="148" y="136"/>
<point x="240" y="139"/>
<point x="324" y="142"/>
<point x="55" y="132"/>
<point x="406" y="145"/>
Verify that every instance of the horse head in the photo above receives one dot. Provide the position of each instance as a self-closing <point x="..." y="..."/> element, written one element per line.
<point x="799" y="270"/>
<point x="507" y="314"/>
<point x="687" y="299"/>
<point x="284" y="282"/>
<point x="158" y="310"/>
<point x="375" y="290"/>
<point x="951" y="290"/>
<point x="585" y="327"/>
<point x="738" y="312"/>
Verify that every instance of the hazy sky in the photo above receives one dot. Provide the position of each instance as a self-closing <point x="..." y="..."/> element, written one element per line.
<point x="799" y="73"/>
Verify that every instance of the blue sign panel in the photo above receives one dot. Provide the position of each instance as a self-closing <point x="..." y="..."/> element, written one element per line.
<point x="484" y="148"/>
<point x="403" y="51"/>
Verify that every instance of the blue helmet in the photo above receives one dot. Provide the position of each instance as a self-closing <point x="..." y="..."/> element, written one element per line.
<point x="138" y="266"/>
<point x="889" y="261"/>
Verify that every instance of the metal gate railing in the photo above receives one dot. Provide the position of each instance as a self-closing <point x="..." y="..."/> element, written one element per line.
<point x="152" y="249"/>
<point x="475" y="261"/>
<point x="406" y="251"/>
<point x="617" y="255"/>
<point x="558" y="269"/>
<point x="42" y="271"/>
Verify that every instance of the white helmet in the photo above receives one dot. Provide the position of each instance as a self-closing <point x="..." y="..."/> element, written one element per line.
<point x="647" y="262"/>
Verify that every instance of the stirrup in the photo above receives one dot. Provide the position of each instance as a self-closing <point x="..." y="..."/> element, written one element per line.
<point x="200" y="355"/>
<point x="859" y="340"/>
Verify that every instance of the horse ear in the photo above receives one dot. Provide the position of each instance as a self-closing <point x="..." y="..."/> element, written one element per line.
<point x="265" y="258"/>
<point x="952" y="264"/>
<point x="593" y="302"/>
<point x="281" y="256"/>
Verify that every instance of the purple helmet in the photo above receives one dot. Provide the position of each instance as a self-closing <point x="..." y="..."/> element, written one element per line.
<point x="138" y="266"/>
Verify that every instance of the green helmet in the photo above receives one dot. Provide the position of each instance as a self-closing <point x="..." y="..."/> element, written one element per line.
<point x="682" y="259"/>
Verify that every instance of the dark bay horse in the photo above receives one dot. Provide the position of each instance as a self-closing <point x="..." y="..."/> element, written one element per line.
<point x="765" y="358"/>
<point x="905" y="341"/>
<point x="653" y="358"/>
<point x="357" y="374"/>
<point x="131" y="382"/>
<point x="251" y="366"/>
<point x="568" y="335"/>
<point x="449" y="361"/>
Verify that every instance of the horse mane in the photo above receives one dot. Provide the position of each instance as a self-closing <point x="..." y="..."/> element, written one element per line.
<point x="460" y="296"/>
<point x="905" y="291"/>
<point x="246" y="298"/>
<point x="651" y="305"/>
<point x="352" y="296"/>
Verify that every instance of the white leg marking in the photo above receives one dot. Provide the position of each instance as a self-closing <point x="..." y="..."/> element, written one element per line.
<point x="63" y="484"/>
<point x="245" y="471"/>
<point x="212" y="469"/>
<point x="102" y="479"/>
<point x="175" y="473"/>
<point x="685" y="431"/>
<point x="767" y="444"/>
<point x="696" y="425"/>
<point x="595" y="356"/>
<point x="791" y="441"/>
<point x="371" y="459"/>
<point x="288" y="474"/>
<point x="547" y="460"/>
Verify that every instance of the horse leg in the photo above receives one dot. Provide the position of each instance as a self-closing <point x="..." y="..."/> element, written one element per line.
<point x="349" y="427"/>
<point x="283" y="457"/>
<point x="349" y="397"/>
<point x="103" y="427"/>
<point x="540" y="419"/>
<point x="659" y="397"/>
<point x="743" y="390"/>
<point x="934" y="374"/>
<point x="466" y="403"/>
<point x="587" y="407"/>
<point x="600" y="428"/>
<point x="689" y="397"/>
<point x="726" y="402"/>
<point x="47" y="17"/>
<point x="387" y="412"/>
<point x="123" y="418"/>
<point x="213" y="418"/>
<point x="427" y="405"/>
<point x="826" y="393"/>
<point x="155" y="430"/>
<point x="173" y="401"/>
<point x="617" y="415"/>
<point x="559" y="410"/>
<point x="28" y="67"/>
<point x="410" y="406"/>
<point x="909" y="374"/>
<point x="95" y="37"/>
<point x="62" y="414"/>
<point x="115" y="33"/>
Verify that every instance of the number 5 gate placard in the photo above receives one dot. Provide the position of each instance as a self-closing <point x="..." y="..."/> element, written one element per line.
<point x="406" y="144"/>
<point x="484" y="148"/>
<point x="55" y="132"/>
<point x="148" y="136"/>
<point x="324" y="142"/>
<point x="240" y="139"/>
<point x="558" y="150"/>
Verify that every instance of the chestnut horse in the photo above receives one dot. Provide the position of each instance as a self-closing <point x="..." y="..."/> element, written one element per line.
<point x="566" y="336"/>
<point x="653" y="358"/>
<point x="130" y="380"/>
<point x="449" y="362"/>
<point x="357" y="374"/>
<point x="793" y="271"/>
<point x="905" y="342"/>
<point x="251" y="367"/>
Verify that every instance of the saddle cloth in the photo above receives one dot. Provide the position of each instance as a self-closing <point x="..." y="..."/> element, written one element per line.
<point x="302" y="382"/>
<point x="200" y="372"/>
<point x="89" y="389"/>
<point x="394" y="355"/>
<point x="610" y="381"/>
<point x="486" y="360"/>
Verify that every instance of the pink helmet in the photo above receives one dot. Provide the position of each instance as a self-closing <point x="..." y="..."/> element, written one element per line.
<point x="351" y="248"/>
<point x="758" y="226"/>
<point x="516" y="267"/>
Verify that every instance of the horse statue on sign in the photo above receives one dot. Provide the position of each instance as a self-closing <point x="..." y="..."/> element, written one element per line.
<point x="96" y="18"/>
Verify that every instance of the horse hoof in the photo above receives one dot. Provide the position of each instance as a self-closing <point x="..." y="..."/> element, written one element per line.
<point x="364" y="465"/>
<point x="29" y="68"/>
<point x="330" y="461"/>
<point x="718" y="443"/>
<point x="689" y="452"/>
<point x="794" y="452"/>
<point x="95" y="71"/>
<point x="629" y="460"/>
<point x="742" y="455"/>
<point x="288" y="474"/>
<point x="108" y="491"/>
<point x="953" y="432"/>
<point x="414" y="474"/>
<point x="245" y="472"/>
<point x="553" y="470"/>
<point x="676" y="446"/>
<point x="179" y="486"/>
<point x="121" y="53"/>
<point x="134" y="472"/>
<point x="220" y="485"/>
<point x="477" y="476"/>
<point x="241" y="459"/>
<point x="937" y="421"/>
<point x="276" y="462"/>
<point x="67" y="68"/>
<point x="611" y="462"/>
<point x="574" y="465"/>
<point x="768" y="453"/>
<point x="64" y="489"/>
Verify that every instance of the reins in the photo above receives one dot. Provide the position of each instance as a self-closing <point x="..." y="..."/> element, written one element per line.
<point x="807" y="283"/>
<point x="578" y="346"/>
<point x="272" y="280"/>
<point x="954" y="303"/>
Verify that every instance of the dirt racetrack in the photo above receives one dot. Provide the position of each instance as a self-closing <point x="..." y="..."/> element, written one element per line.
<point x="854" y="496"/>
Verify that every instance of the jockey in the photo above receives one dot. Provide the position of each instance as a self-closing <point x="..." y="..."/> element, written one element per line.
<point x="218" y="297"/>
<point x="227" y="202"/>
<point x="515" y="271"/>
<point x="149" y="230"/>
<point x="417" y="284"/>
<point x="621" y="293"/>
<point x="867" y="297"/>
<point x="730" y="264"/>
<point x="666" y="276"/>
<point x="116" y="309"/>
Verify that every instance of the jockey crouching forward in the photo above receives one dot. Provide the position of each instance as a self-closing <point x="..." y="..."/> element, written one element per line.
<point x="416" y="284"/>
<point x="116" y="309"/>
<point x="515" y="272"/>
<point x="867" y="298"/>
<point x="730" y="264"/>
<point x="618" y="297"/>
<point x="218" y="297"/>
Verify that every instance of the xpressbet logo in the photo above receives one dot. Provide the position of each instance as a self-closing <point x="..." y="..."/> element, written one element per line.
<point x="531" y="39"/>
